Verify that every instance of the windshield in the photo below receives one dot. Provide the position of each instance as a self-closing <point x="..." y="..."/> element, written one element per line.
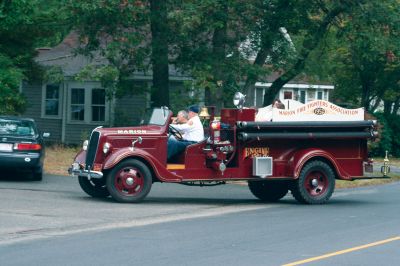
<point x="157" y="116"/>
<point x="16" y="128"/>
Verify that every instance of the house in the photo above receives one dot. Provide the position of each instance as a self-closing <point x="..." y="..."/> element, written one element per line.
<point x="70" y="109"/>
<point x="299" y="89"/>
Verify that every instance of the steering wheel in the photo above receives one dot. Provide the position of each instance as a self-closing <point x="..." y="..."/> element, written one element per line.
<point x="175" y="132"/>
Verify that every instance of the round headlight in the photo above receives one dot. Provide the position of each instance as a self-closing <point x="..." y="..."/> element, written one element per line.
<point x="106" y="147"/>
<point x="85" y="145"/>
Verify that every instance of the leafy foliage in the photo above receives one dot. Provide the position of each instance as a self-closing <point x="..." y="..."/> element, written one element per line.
<point x="24" y="25"/>
<point x="118" y="31"/>
<point x="384" y="142"/>
<point x="11" y="101"/>
<point x="362" y="57"/>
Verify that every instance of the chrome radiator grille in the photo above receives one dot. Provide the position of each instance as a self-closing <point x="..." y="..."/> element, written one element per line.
<point x="92" y="149"/>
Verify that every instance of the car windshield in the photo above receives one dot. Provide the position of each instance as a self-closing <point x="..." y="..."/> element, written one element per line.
<point x="16" y="128"/>
<point x="157" y="116"/>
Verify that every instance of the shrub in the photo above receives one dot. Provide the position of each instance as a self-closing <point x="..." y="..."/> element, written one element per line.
<point x="388" y="140"/>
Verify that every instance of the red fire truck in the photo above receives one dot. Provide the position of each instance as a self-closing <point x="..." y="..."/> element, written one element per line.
<point x="274" y="157"/>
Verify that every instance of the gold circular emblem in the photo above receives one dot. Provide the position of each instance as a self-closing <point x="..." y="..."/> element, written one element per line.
<point x="319" y="111"/>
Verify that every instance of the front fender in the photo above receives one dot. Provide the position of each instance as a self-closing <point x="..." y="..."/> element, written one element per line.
<point x="301" y="157"/>
<point x="80" y="157"/>
<point x="159" y="168"/>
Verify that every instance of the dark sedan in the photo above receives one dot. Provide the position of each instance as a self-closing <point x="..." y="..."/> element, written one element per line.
<point x="21" y="146"/>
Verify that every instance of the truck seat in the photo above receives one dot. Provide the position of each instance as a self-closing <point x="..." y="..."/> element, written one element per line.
<point x="191" y="149"/>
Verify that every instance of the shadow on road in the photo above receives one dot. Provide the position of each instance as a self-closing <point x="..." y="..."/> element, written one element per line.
<point x="15" y="175"/>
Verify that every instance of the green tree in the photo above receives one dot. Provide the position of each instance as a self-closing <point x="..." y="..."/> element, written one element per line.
<point x="24" y="25"/>
<point x="11" y="101"/>
<point x="365" y="56"/>
<point x="207" y="37"/>
<point x="211" y="38"/>
<point x="131" y="35"/>
<point x="320" y="17"/>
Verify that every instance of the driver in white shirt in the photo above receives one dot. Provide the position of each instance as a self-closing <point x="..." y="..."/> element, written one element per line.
<point x="192" y="132"/>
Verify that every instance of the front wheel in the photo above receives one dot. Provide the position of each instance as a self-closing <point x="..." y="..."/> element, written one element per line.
<point x="315" y="184"/>
<point x="129" y="181"/>
<point x="93" y="187"/>
<point x="269" y="191"/>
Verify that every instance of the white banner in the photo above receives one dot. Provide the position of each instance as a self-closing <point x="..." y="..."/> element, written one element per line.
<point x="318" y="110"/>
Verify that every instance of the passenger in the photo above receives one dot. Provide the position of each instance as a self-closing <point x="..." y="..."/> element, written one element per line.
<point x="265" y="113"/>
<point x="192" y="132"/>
<point x="278" y="104"/>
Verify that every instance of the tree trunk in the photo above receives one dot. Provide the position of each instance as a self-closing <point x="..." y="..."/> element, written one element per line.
<point x="396" y="106"/>
<point x="159" y="56"/>
<point x="387" y="107"/>
<point x="219" y="52"/>
<point x="365" y="94"/>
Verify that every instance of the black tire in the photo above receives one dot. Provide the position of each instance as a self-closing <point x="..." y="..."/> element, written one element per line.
<point x="93" y="187"/>
<point x="269" y="191"/>
<point x="315" y="184"/>
<point x="37" y="174"/>
<point x="129" y="181"/>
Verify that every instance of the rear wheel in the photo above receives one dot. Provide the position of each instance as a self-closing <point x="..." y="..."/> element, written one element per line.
<point x="93" y="187"/>
<point x="270" y="191"/>
<point x="315" y="184"/>
<point x="37" y="174"/>
<point x="129" y="181"/>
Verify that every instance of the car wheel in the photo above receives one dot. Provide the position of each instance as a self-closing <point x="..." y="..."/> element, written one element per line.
<point x="315" y="184"/>
<point x="129" y="181"/>
<point x="37" y="174"/>
<point x="269" y="191"/>
<point x="93" y="187"/>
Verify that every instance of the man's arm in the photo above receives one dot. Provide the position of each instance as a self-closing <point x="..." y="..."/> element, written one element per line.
<point x="182" y="127"/>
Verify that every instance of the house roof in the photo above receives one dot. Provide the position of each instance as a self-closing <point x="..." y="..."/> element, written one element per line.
<point x="300" y="81"/>
<point x="64" y="55"/>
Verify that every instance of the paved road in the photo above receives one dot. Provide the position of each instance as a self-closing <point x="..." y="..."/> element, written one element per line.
<point x="54" y="223"/>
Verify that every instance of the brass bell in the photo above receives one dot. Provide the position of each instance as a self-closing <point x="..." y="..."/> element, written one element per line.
<point x="204" y="113"/>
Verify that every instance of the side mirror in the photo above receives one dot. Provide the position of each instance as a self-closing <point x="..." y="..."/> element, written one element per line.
<point x="46" y="135"/>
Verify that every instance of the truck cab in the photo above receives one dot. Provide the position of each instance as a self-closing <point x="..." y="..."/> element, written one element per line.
<point x="305" y="157"/>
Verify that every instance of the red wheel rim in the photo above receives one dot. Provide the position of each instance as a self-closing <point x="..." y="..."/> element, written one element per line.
<point x="316" y="183"/>
<point x="129" y="181"/>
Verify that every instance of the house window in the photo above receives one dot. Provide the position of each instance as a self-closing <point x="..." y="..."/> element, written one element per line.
<point x="87" y="103"/>
<point x="98" y="105"/>
<point x="77" y="104"/>
<point x="302" y="96"/>
<point x="320" y="95"/>
<point x="52" y="100"/>
<point x="287" y="95"/>
<point x="259" y="97"/>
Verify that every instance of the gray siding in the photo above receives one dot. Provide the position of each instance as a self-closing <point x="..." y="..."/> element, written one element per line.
<point x="33" y="94"/>
<point x="77" y="133"/>
<point x="129" y="109"/>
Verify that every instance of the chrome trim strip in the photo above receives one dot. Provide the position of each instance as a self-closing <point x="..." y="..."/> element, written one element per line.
<point x="88" y="174"/>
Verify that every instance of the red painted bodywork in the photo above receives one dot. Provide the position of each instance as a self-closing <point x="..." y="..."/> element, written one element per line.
<point x="346" y="156"/>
